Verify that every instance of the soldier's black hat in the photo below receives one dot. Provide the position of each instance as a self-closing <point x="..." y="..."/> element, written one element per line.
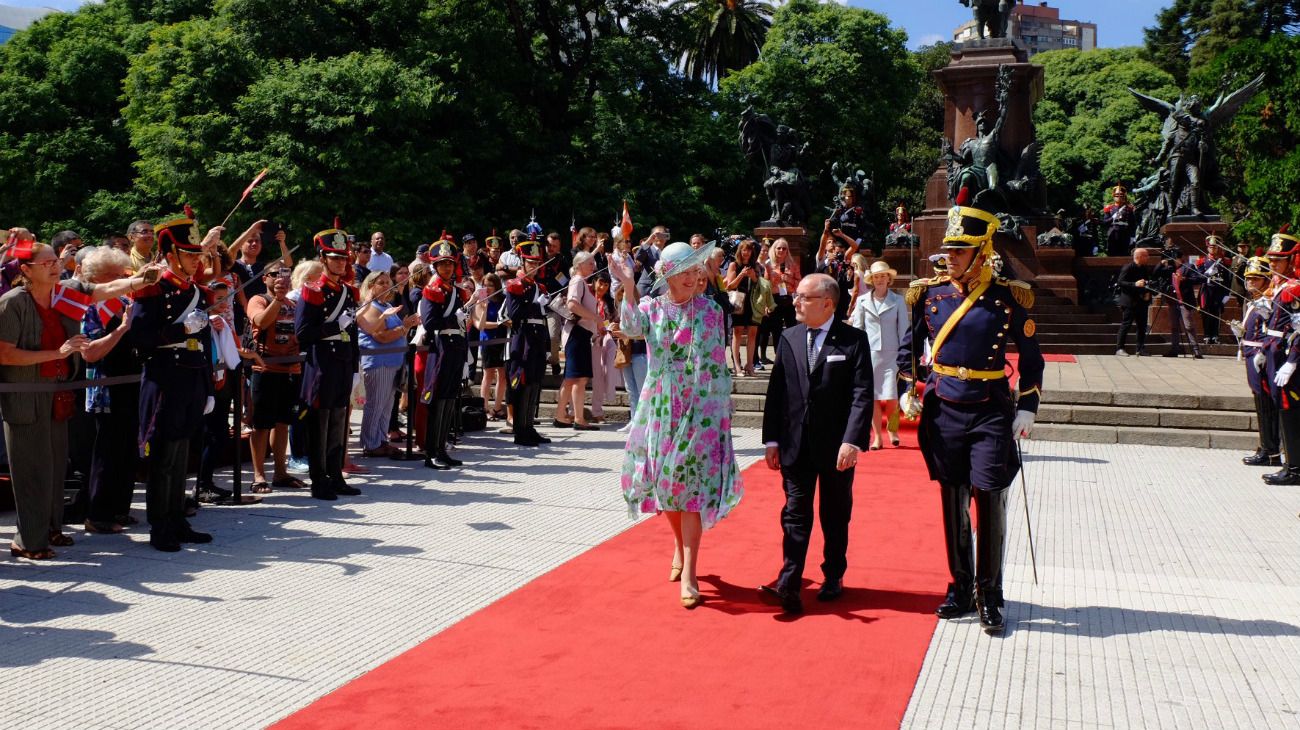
<point x="332" y="242"/>
<point x="529" y="250"/>
<point x="179" y="234"/>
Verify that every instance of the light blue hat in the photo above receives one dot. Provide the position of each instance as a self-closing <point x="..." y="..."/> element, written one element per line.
<point x="678" y="258"/>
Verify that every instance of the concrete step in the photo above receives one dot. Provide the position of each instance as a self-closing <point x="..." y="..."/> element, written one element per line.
<point x="1173" y="418"/>
<point x="1197" y="438"/>
<point x="1151" y="399"/>
<point x="1073" y="318"/>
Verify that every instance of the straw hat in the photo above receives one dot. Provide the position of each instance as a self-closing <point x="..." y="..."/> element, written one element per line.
<point x="880" y="267"/>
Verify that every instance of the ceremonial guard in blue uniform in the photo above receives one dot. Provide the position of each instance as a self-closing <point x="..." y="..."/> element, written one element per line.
<point x="1282" y="352"/>
<point x="325" y="324"/>
<point x="1253" y="341"/>
<point x="969" y="418"/>
<point x="443" y="315"/>
<point x="1215" y="290"/>
<point x="170" y="330"/>
<point x="530" y="344"/>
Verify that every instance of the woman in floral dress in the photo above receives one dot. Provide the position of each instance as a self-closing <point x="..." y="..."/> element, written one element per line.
<point x="679" y="454"/>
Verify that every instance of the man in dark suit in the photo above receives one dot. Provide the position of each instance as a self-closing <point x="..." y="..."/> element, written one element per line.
<point x="1135" y="299"/>
<point x="816" y="421"/>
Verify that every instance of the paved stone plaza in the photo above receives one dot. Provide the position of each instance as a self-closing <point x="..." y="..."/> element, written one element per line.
<point x="1168" y="594"/>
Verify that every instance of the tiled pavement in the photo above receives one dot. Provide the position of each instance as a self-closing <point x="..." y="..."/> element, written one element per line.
<point x="1212" y="376"/>
<point x="1170" y="581"/>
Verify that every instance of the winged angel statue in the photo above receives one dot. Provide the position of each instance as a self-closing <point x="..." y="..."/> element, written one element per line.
<point x="1186" y="166"/>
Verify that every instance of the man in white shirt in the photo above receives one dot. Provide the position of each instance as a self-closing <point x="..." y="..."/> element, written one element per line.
<point x="379" y="260"/>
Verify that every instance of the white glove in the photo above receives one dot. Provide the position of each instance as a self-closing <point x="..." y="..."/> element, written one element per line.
<point x="1237" y="329"/>
<point x="1259" y="361"/>
<point x="1295" y="320"/>
<point x="1022" y="424"/>
<point x="209" y="405"/>
<point x="1284" y="374"/>
<point x="461" y="317"/>
<point x="345" y="320"/>
<point x="194" y="321"/>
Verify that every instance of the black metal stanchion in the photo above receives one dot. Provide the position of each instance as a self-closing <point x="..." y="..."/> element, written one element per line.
<point x="408" y="455"/>
<point x="237" y="496"/>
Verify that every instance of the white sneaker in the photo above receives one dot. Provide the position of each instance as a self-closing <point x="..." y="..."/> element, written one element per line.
<point x="1121" y="353"/>
<point x="626" y="427"/>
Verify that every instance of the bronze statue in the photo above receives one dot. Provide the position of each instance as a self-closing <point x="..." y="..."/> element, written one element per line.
<point x="1187" y="154"/>
<point x="779" y="148"/>
<point x="991" y="16"/>
<point x="978" y="170"/>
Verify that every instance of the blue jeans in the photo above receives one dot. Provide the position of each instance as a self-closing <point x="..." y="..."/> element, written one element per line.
<point x="633" y="379"/>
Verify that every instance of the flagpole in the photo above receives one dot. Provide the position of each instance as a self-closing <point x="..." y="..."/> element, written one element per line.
<point x="244" y="197"/>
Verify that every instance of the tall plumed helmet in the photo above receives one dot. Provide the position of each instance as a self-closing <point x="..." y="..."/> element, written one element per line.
<point x="1214" y="239"/>
<point x="970" y="227"/>
<point x="1258" y="267"/>
<point x="529" y="250"/>
<point x="442" y="250"/>
<point x="533" y="229"/>
<point x="494" y="238"/>
<point x="1283" y="244"/>
<point x="332" y="241"/>
<point x="1119" y="189"/>
<point x="179" y="234"/>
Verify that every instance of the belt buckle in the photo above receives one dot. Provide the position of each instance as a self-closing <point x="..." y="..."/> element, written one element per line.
<point x="963" y="373"/>
<point x="192" y="345"/>
<point x="344" y="337"/>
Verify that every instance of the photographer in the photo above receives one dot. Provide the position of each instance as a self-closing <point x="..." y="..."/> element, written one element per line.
<point x="647" y="255"/>
<point x="66" y="244"/>
<point x="1178" y="282"/>
<point x="1134" y="299"/>
<point x="835" y="265"/>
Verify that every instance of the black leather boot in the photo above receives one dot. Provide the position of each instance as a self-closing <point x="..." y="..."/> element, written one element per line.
<point x="435" y="444"/>
<point x="186" y="533"/>
<point x="955" y="501"/>
<point x="162" y="537"/>
<point x="1262" y="458"/>
<point x="991" y="515"/>
<point x="990" y="604"/>
<point x="1289" y="476"/>
<point x="448" y="419"/>
<point x="959" y="602"/>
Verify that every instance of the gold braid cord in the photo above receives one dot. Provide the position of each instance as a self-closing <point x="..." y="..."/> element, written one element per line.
<point x="915" y="291"/>
<point x="1023" y="295"/>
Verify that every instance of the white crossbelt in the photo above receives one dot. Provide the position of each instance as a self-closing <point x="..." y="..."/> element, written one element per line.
<point x="1252" y="343"/>
<point x="1274" y="333"/>
<point x="340" y="337"/>
<point x="449" y="332"/>
<point x="188" y="344"/>
<point x="535" y="321"/>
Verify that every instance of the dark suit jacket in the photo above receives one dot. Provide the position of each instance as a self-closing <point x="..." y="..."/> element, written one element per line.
<point x="1129" y="292"/>
<point x="832" y="407"/>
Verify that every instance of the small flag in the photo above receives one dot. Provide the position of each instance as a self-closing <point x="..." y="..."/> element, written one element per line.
<point x="70" y="302"/>
<point x="256" y="181"/>
<point x="573" y="231"/>
<point x="109" y="308"/>
<point x="626" y="225"/>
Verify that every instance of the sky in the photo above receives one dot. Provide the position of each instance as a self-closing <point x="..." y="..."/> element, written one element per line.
<point x="1119" y="22"/>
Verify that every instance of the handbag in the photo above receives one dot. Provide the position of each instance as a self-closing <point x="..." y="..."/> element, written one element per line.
<point x="623" y="356"/>
<point x="737" y="300"/>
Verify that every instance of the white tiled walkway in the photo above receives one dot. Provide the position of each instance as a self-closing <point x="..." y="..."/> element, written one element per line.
<point x="1169" y="595"/>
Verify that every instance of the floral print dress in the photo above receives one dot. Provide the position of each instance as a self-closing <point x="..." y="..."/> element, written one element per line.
<point x="679" y="452"/>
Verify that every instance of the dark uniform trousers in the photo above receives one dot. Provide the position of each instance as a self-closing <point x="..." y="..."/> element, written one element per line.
<point x="114" y="456"/>
<point x="1266" y="412"/>
<point x="327" y="445"/>
<point x="181" y="392"/>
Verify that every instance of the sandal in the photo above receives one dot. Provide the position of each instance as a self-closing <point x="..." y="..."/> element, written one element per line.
<point x="289" y="483"/>
<point x="17" y="552"/>
<point x="58" y="539"/>
<point x="101" y="527"/>
<point x="260" y="488"/>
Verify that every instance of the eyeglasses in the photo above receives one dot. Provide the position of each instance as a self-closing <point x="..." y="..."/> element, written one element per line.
<point x="47" y="263"/>
<point x="806" y="297"/>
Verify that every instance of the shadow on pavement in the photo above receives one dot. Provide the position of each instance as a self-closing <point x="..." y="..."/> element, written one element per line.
<point x="1106" y="621"/>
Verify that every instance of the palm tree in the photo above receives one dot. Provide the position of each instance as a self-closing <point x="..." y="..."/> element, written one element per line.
<point x="726" y="35"/>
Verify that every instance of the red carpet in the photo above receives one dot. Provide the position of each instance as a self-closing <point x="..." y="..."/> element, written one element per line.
<point x="602" y="642"/>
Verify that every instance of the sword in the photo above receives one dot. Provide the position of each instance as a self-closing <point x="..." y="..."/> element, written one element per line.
<point x="1029" y="527"/>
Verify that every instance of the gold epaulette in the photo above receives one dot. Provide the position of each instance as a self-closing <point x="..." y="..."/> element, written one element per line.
<point x="1020" y="290"/>
<point x="915" y="291"/>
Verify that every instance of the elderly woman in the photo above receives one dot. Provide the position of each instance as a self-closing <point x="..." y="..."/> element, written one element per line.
<point x="115" y="408"/>
<point x="578" y="332"/>
<point x="679" y="458"/>
<point x="382" y="328"/>
<point x="882" y="314"/>
<point x="39" y="332"/>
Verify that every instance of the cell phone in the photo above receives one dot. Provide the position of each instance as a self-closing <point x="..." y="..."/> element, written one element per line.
<point x="351" y="239"/>
<point x="269" y="231"/>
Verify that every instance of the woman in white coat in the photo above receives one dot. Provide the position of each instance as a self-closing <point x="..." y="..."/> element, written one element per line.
<point x="883" y="315"/>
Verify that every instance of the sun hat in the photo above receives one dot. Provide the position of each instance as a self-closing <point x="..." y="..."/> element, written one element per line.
<point x="678" y="258"/>
<point x="880" y="267"/>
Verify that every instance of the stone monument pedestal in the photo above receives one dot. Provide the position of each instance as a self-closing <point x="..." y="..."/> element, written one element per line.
<point x="1189" y="236"/>
<point x="798" y="238"/>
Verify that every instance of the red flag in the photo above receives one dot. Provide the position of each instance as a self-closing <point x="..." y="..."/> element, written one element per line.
<point x="256" y="181"/>
<point x="108" y="309"/>
<point x="70" y="302"/>
<point x="626" y="225"/>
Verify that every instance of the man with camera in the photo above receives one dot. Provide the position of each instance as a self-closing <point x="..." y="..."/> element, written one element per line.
<point x="1178" y="282"/>
<point x="647" y="255"/>
<point x="835" y="265"/>
<point x="1135" y="299"/>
